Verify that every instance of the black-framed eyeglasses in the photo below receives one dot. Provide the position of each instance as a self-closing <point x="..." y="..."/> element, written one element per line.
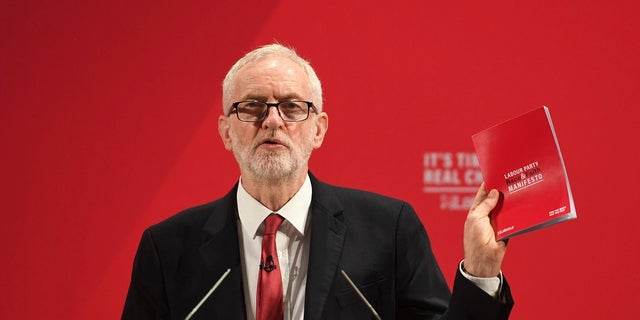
<point x="256" y="111"/>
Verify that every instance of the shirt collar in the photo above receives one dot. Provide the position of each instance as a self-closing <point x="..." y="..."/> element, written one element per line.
<point x="295" y="211"/>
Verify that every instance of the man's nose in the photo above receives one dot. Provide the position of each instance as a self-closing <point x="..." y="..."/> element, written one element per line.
<point x="273" y="119"/>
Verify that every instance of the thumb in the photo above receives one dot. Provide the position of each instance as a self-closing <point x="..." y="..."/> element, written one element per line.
<point x="483" y="202"/>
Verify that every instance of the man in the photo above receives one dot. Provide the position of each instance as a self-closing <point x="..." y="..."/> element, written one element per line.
<point x="272" y="120"/>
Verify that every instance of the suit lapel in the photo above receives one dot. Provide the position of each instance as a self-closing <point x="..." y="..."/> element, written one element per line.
<point x="327" y="241"/>
<point x="219" y="253"/>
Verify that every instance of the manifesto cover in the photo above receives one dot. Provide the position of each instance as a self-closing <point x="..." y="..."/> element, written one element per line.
<point x="521" y="158"/>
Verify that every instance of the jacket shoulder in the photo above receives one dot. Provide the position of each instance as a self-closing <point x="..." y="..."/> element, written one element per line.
<point x="351" y="197"/>
<point x="195" y="215"/>
<point x="194" y="220"/>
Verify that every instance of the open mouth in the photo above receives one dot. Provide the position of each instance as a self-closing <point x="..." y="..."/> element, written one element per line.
<point x="272" y="143"/>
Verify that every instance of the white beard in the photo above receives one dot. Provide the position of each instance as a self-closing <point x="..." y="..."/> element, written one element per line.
<point x="269" y="165"/>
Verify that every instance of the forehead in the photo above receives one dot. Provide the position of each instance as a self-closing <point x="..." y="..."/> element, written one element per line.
<point x="271" y="78"/>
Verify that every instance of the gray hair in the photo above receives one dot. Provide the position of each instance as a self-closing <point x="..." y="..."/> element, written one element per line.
<point x="266" y="51"/>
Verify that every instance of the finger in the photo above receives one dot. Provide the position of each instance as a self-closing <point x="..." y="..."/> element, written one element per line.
<point x="481" y="194"/>
<point x="503" y="242"/>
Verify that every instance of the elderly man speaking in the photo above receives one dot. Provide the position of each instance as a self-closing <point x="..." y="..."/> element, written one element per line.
<point x="284" y="245"/>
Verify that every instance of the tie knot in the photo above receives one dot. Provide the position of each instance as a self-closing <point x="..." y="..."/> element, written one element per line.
<point x="272" y="223"/>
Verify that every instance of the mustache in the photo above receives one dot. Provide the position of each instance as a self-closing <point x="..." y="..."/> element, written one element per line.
<point x="273" y="136"/>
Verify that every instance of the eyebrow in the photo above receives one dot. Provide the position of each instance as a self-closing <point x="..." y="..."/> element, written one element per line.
<point x="287" y="97"/>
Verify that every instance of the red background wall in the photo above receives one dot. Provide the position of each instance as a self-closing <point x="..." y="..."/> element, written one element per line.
<point x="108" y="124"/>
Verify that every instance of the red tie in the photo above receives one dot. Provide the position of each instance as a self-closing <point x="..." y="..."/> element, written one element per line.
<point x="269" y="302"/>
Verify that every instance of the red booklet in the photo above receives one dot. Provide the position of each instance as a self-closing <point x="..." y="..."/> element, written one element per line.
<point x="521" y="158"/>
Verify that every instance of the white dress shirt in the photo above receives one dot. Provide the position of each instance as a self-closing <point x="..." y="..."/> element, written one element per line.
<point x="292" y="241"/>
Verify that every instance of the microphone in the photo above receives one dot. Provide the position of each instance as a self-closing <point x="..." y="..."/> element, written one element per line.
<point x="269" y="265"/>
<point x="364" y="300"/>
<point x="206" y="296"/>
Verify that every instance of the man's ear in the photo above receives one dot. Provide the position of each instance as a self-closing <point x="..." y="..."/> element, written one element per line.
<point x="224" y="128"/>
<point x="322" y="125"/>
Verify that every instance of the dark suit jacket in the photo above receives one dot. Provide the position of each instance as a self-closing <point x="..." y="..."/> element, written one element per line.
<point x="379" y="242"/>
